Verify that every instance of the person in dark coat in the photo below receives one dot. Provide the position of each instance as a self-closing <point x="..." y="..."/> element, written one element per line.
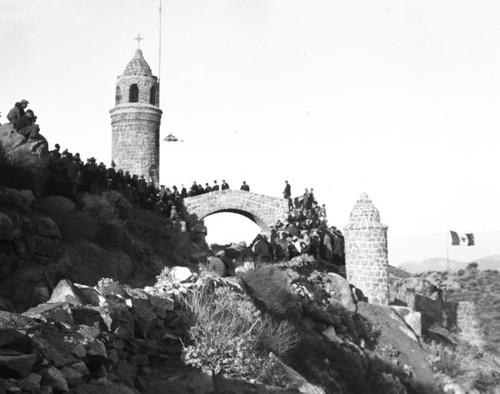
<point x="263" y="249"/>
<point x="194" y="189"/>
<point x="111" y="174"/>
<point x="208" y="189"/>
<point x="26" y="125"/>
<point x="183" y="192"/>
<point x="55" y="155"/>
<point x="288" y="191"/>
<point x="215" y="187"/>
<point x="17" y="112"/>
<point x="245" y="187"/>
<point x="73" y="175"/>
<point x="225" y="185"/>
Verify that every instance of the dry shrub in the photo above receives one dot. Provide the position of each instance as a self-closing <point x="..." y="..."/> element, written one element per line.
<point x="271" y="286"/>
<point x="447" y="360"/>
<point x="229" y="336"/>
<point x="110" y="207"/>
<point x="119" y="203"/>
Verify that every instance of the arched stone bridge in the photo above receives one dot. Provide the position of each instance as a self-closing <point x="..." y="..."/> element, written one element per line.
<point x="263" y="210"/>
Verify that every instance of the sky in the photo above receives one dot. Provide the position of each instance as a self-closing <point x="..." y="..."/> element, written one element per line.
<point x="396" y="99"/>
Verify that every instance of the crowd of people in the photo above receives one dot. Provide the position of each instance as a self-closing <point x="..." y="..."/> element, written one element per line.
<point x="306" y="231"/>
<point x="71" y="177"/>
<point x="24" y="120"/>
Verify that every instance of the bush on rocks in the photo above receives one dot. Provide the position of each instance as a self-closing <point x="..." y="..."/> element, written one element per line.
<point x="229" y="336"/>
<point x="110" y="207"/>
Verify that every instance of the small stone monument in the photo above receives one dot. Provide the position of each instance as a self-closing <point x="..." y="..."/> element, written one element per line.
<point x="366" y="252"/>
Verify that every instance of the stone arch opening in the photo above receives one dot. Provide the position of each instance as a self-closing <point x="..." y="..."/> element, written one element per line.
<point x="133" y="96"/>
<point x="249" y="215"/>
<point x="230" y="227"/>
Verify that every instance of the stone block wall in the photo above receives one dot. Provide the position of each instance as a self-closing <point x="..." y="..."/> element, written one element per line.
<point x="367" y="264"/>
<point x="136" y="139"/>
<point x="264" y="210"/>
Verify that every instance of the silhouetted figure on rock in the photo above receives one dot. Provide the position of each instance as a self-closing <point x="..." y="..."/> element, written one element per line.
<point x="26" y="125"/>
<point x="17" y="112"/>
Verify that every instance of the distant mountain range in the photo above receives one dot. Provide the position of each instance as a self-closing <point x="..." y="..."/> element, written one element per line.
<point x="439" y="264"/>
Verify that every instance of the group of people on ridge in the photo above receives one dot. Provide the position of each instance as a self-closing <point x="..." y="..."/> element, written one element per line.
<point x="24" y="120"/>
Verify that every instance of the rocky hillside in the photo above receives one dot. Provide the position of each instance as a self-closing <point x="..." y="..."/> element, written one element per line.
<point x="102" y="297"/>
<point x="480" y="286"/>
<point x="48" y="239"/>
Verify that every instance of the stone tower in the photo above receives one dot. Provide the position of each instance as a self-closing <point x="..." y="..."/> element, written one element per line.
<point x="135" y="121"/>
<point x="367" y="265"/>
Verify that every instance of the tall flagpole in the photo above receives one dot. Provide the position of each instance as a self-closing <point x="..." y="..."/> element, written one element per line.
<point x="159" y="48"/>
<point x="447" y="251"/>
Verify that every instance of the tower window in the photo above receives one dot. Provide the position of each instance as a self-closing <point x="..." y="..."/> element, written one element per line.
<point x="152" y="95"/>
<point x="133" y="96"/>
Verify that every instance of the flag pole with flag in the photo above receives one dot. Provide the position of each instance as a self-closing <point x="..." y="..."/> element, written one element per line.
<point x="458" y="239"/>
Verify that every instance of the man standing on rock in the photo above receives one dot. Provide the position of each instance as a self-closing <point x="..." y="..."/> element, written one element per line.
<point x="17" y="112"/>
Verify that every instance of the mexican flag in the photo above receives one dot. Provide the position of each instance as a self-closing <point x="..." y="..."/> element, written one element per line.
<point x="463" y="239"/>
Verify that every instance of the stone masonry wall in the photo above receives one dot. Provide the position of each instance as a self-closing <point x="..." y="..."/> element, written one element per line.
<point x="265" y="211"/>
<point x="469" y="324"/>
<point x="136" y="138"/>
<point x="367" y="264"/>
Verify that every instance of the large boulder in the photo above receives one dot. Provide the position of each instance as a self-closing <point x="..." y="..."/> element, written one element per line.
<point x="16" y="365"/>
<point x="340" y="291"/>
<point x="25" y="162"/>
<point x="56" y="203"/>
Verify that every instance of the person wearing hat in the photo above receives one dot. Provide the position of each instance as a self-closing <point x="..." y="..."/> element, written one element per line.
<point x="225" y="185"/>
<point x="26" y="126"/>
<point x="17" y="112"/>
<point x="55" y="155"/>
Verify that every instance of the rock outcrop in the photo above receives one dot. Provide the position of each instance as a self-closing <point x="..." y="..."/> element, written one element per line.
<point x="24" y="163"/>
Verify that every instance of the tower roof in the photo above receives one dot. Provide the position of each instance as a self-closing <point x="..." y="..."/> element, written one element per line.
<point x="365" y="214"/>
<point x="138" y="65"/>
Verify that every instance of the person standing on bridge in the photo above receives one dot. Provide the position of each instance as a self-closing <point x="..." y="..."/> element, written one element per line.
<point x="245" y="187"/>
<point x="225" y="186"/>
<point x="215" y="187"/>
<point x="288" y="191"/>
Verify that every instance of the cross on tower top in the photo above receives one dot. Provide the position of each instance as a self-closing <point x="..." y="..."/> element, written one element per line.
<point x="138" y="39"/>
